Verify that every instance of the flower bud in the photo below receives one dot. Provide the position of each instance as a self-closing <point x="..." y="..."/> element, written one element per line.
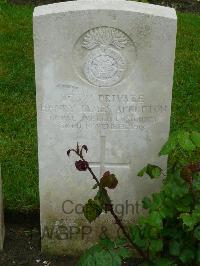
<point x="81" y="165"/>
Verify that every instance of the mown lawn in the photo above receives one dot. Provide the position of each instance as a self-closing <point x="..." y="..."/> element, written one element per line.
<point x="18" y="139"/>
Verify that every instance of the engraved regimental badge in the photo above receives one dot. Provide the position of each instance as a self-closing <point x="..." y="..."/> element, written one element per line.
<point x="105" y="55"/>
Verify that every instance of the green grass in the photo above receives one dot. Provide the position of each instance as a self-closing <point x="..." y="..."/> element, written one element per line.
<point x="18" y="140"/>
<point x="186" y="90"/>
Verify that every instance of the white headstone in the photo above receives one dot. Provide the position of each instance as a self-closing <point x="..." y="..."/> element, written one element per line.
<point x="104" y="75"/>
<point x="2" y="228"/>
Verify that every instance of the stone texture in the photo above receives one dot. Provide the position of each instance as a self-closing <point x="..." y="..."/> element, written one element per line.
<point x="2" y="228"/>
<point x="104" y="75"/>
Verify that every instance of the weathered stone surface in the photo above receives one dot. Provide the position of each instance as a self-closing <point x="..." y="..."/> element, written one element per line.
<point x="2" y="228"/>
<point x="104" y="74"/>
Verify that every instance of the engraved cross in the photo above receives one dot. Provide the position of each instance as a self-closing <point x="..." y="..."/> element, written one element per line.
<point x="102" y="164"/>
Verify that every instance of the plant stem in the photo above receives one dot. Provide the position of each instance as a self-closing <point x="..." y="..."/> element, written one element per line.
<point x="93" y="175"/>
<point x="89" y="169"/>
<point x="117" y="219"/>
<point x="119" y="223"/>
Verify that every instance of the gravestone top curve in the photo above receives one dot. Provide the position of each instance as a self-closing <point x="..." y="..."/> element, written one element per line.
<point x="62" y="7"/>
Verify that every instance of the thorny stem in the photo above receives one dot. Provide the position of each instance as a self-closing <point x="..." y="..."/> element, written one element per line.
<point x="93" y="175"/>
<point x="89" y="169"/>
<point x="111" y="210"/>
<point x="119" y="223"/>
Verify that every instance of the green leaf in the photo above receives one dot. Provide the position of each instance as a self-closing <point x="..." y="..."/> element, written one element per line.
<point x="103" y="258"/>
<point x="157" y="201"/>
<point x="87" y="259"/>
<point x="174" y="248"/>
<point x="108" y="258"/>
<point x="170" y="145"/>
<point x="187" y="255"/>
<point x="107" y="243"/>
<point x="196" y="182"/>
<point x="102" y="199"/>
<point x="166" y="212"/>
<point x="153" y="171"/>
<point x="135" y="232"/>
<point x="142" y="172"/>
<point x="163" y="262"/>
<point x="154" y="219"/>
<point x="120" y="242"/>
<point x="185" y="203"/>
<point x="146" y="203"/>
<point x="174" y="190"/>
<point x="154" y="232"/>
<point x="98" y="256"/>
<point x="196" y="213"/>
<point x="197" y="232"/>
<point x="91" y="210"/>
<point x="188" y="220"/>
<point x="195" y="137"/>
<point x="124" y="253"/>
<point x="156" y="245"/>
<point x="185" y="141"/>
<point x="116" y="259"/>
<point x="135" y="236"/>
<point x="142" y="221"/>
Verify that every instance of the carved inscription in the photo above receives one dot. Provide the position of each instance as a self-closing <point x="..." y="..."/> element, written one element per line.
<point x="76" y="108"/>
<point x="104" y="54"/>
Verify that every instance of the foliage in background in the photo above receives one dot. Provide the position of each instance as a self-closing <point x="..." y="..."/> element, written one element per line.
<point x="18" y="138"/>
<point x="170" y="234"/>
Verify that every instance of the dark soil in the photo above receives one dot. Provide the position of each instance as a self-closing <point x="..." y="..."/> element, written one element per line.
<point x="22" y="247"/>
<point x="180" y="5"/>
<point x="22" y="244"/>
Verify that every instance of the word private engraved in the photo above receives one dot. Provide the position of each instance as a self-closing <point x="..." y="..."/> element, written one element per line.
<point x="105" y="56"/>
<point x="76" y="108"/>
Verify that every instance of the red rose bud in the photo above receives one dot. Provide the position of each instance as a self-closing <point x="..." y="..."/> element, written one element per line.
<point x="81" y="165"/>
